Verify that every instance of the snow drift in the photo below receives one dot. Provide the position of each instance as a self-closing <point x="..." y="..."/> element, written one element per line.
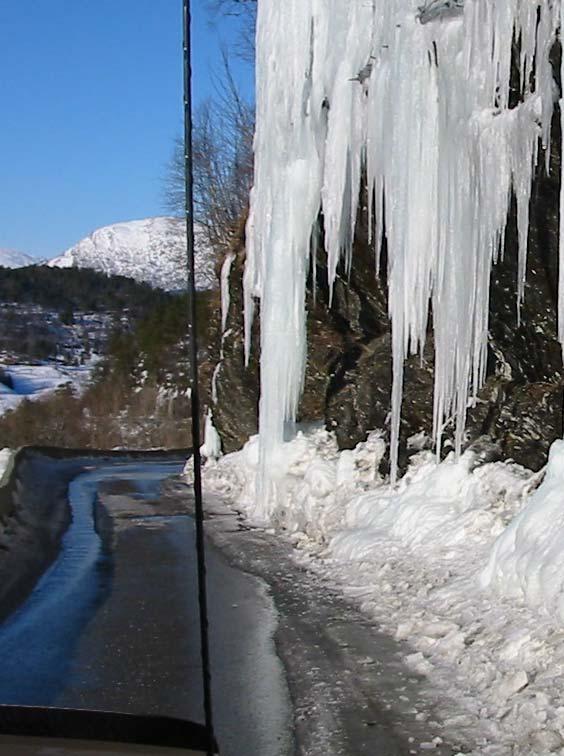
<point x="527" y="561"/>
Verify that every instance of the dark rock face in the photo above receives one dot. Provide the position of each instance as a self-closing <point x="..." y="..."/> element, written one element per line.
<point x="349" y="372"/>
<point x="235" y="412"/>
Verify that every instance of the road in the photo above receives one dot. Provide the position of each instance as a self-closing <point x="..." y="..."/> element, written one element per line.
<point x="295" y="668"/>
<point x="113" y="623"/>
<point x="352" y="695"/>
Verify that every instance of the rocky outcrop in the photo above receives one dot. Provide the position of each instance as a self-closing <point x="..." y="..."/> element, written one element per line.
<point x="235" y="385"/>
<point x="348" y="379"/>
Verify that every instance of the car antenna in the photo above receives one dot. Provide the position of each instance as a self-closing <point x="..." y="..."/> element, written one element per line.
<point x="195" y="396"/>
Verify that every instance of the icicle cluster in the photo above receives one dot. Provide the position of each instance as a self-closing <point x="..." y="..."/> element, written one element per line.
<point x="416" y="100"/>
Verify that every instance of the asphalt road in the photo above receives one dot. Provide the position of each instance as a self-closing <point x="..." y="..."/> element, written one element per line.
<point x="140" y="652"/>
<point x="295" y="668"/>
<point x="113" y="622"/>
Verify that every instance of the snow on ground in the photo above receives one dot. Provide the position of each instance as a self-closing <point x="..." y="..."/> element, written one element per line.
<point x="462" y="559"/>
<point x="38" y="381"/>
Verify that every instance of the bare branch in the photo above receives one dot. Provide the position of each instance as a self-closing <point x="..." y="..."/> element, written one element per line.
<point x="223" y="163"/>
<point x="245" y="11"/>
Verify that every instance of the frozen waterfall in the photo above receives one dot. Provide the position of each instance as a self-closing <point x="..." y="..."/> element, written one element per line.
<point x="418" y="103"/>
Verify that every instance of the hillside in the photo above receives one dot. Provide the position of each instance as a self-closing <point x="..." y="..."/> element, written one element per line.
<point x="92" y="360"/>
<point x="151" y="251"/>
<point x="75" y="289"/>
<point x="49" y="313"/>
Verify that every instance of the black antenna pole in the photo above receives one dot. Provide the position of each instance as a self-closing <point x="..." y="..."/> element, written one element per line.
<point x="195" y="395"/>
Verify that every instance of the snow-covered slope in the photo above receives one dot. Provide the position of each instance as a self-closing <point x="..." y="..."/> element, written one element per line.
<point x="151" y="250"/>
<point x="9" y="258"/>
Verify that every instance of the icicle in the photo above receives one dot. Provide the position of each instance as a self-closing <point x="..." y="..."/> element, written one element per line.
<point x="561" y="232"/>
<point x="416" y="100"/>
<point x="225" y="298"/>
<point x="215" y="377"/>
<point x="211" y="448"/>
<point x="314" y="253"/>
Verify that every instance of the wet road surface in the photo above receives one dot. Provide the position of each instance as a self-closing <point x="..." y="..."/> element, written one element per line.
<point x="351" y="692"/>
<point x="296" y="669"/>
<point x="113" y="623"/>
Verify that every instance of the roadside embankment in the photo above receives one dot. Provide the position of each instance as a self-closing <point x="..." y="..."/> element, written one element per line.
<point x="35" y="512"/>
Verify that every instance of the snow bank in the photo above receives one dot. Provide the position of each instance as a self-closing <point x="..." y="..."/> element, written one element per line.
<point x="445" y="507"/>
<point x="527" y="561"/>
<point x="327" y="494"/>
<point x="455" y="559"/>
<point x="308" y="480"/>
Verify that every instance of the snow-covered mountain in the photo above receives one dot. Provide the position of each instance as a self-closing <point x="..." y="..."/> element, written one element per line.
<point x="9" y="258"/>
<point x="151" y="250"/>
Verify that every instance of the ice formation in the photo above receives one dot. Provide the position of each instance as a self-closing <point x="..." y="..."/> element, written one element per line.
<point x="424" y="112"/>
<point x="225" y="304"/>
<point x="225" y="298"/>
<point x="211" y="448"/>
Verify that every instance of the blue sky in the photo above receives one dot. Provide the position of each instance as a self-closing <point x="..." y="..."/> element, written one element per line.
<point x="90" y="103"/>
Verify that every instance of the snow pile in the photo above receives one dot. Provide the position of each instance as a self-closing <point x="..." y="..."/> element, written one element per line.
<point x="418" y="100"/>
<point x="338" y="497"/>
<point x="151" y="251"/>
<point x="308" y="480"/>
<point x="527" y="562"/>
<point x="414" y="555"/>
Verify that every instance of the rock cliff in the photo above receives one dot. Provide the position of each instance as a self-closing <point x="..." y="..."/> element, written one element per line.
<point x="518" y="412"/>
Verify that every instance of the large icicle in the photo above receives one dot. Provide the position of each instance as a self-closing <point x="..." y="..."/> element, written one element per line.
<point x="417" y="101"/>
<point x="561" y="250"/>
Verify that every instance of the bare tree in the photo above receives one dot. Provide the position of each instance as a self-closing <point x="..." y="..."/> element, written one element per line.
<point x="245" y="11"/>
<point x="222" y="136"/>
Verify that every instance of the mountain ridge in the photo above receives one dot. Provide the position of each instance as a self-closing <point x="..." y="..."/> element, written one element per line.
<point x="151" y="250"/>
<point x="12" y="258"/>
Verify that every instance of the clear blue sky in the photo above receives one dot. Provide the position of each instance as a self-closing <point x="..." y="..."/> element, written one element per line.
<point x="90" y="103"/>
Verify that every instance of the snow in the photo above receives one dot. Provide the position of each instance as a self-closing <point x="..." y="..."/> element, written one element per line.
<point x="527" y="561"/>
<point x="151" y="251"/>
<point x="211" y="448"/>
<point x="6" y="457"/>
<point x="418" y="558"/>
<point x="39" y="380"/>
<point x="10" y="258"/>
<point x="418" y="97"/>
